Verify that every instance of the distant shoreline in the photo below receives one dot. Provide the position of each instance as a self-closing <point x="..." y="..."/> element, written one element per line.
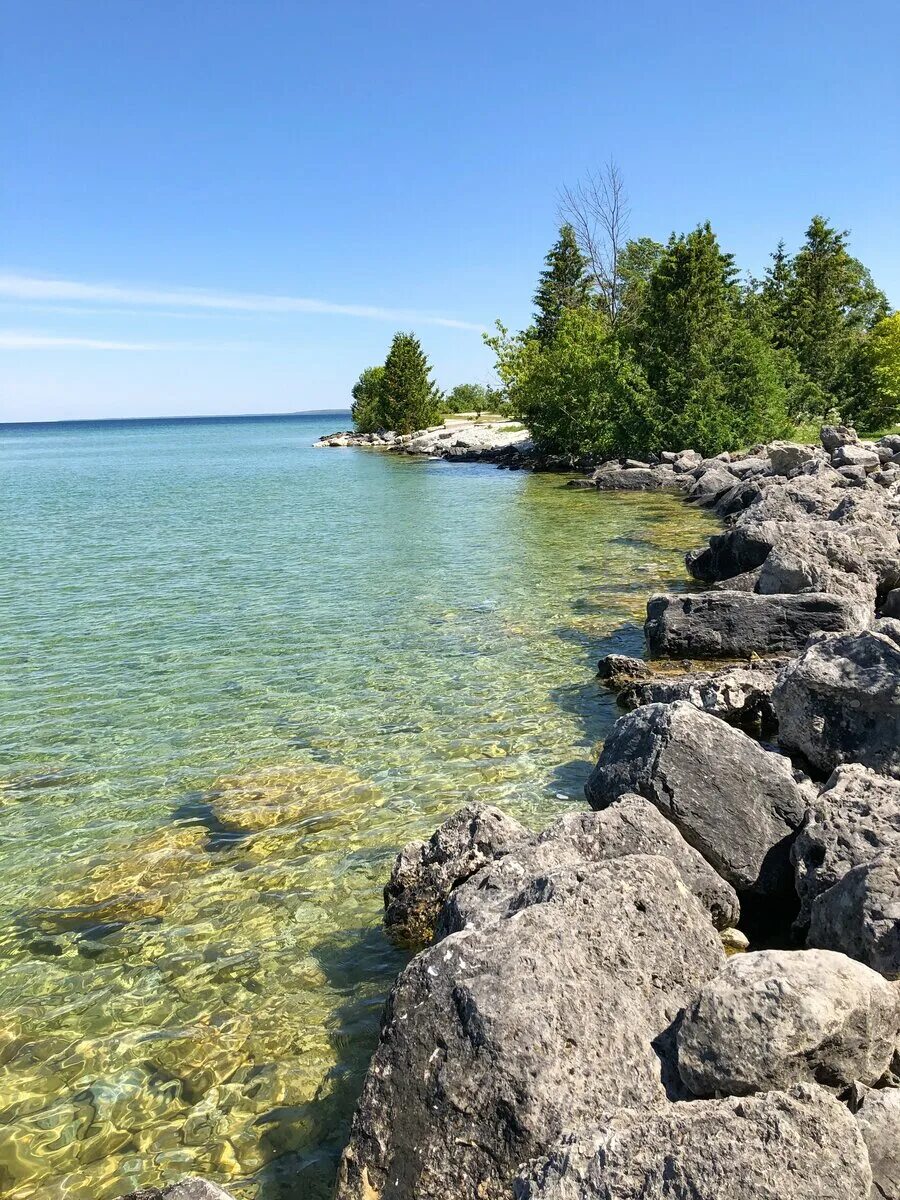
<point x="196" y="418"/>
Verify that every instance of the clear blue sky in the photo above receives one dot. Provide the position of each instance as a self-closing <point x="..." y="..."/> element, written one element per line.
<point x="172" y="170"/>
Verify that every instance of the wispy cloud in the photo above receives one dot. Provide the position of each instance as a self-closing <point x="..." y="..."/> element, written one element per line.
<point x="16" y="339"/>
<point x="37" y="290"/>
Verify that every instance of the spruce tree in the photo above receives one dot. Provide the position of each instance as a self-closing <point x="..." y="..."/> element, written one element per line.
<point x="410" y="400"/>
<point x="715" y="382"/>
<point x="564" y="284"/>
<point x="367" y="406"/>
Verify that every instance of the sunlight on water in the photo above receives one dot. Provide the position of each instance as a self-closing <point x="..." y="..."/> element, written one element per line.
<point x="237" y="675"/>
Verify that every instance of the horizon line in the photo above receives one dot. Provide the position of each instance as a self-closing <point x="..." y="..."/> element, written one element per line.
<point x="296" y="412"/>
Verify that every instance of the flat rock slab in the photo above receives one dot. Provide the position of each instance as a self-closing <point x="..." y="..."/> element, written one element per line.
<point x="840" y="702"/>
<point x="778" y="1017"/>
<point x="735" y="802"/>
<point x="734" y="624"/>
<point x="795" y="1145"/>
<point x="495" y="1043"/>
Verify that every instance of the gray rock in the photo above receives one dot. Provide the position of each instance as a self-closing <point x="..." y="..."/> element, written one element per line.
<point x="860" y="916"/>
<point x="739" y="695"/>
<point x="425" y="873"/>
<point x="795" y="1145"/>
<point x="753" y="464"/>
<point x="834" y="436"/>
<point x="879" y="1124"/>
<point x="732" y="624"/>
<point x="839" y="701"/>
<point x="735" y="802"/>
<point x="687" y="460"/>
<point x="633" y="479"/>
<point x="891" y="606"/>
<point x="779" y="1017"/>
<point x="495" y="1043"/>
<point x="746" y="582"/>
<point x="891" y="442"/>
<point x="711" y="484"/>
<point x="631" y="825"/>
<point x="618" y="670"/>
<point x="788" y="457"/>
<point x="888" y="627"/>
<point x="855" y="456"/>
<point x="855" y="819"/>
<point x="188" y="1189"/>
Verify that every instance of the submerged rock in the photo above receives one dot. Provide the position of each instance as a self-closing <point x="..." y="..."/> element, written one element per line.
<point x="779" y="1017"/>
<point x="495" y="1043"/>
<point x="860" y="916"/>
<point x="795" y="1145"/>
<point x="631" y="825"/>
<point x="855" y="819"/>
<point x="187" y="1189"/>
<point x="735" y="624"/>
<point x="425" y="873"/>
<point x="618" y="670"/>
<point x="840" y="702"/>
<point x="735" y="802"/>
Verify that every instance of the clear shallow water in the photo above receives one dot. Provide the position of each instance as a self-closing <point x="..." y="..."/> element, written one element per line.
<point x="236" y="675"/>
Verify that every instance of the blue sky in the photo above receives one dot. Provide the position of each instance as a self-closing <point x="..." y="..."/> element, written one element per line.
<point x="230" y="207"/>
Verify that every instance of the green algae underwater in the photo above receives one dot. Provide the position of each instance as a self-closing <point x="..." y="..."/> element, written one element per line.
<point x="237" y="675"/>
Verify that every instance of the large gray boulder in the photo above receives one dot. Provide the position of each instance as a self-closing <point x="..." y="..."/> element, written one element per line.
<point x="711" y="484"/>
<point x="860" y="916"/>
<point x="739" y="695"/>
<point x="851" y="455"/>
<point x="879" y="1124"/>
<point x="788" y="457"/>
<point x="735" y="802"/>
<point x="631" y="825"/>
<point x="855" y="819"/>
<point x="833" y="436"/>
<point x="496" y="1043"/>
<point x="795" y="1145"/>
<point x="779" y="1017"/>
<point x="728" y="624"/>
<point x="839" y="701"/>
<point x="425" y="873"/>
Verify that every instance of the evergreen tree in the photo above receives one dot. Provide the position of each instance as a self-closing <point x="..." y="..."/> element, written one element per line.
<point x="410" y="400"/>
<point x="637" y="262"/>
<point x="367" y="406"/>
<point x="564" y="284"/>
<point x="715" y="382"/>
<point x="824" y="303"/>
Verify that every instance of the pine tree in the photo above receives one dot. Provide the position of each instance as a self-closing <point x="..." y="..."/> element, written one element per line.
<point x="410" y="400"/>
<point x="715" y="382"/>
<point x="564" y="283"/>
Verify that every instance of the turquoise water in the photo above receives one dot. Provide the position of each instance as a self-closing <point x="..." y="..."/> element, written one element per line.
<point x="237" y="674"/>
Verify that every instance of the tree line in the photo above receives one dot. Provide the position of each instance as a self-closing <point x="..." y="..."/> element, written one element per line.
<point x="638" y="346"/>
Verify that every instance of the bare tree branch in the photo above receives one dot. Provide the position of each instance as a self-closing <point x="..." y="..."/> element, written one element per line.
<point x="597" y="209"/>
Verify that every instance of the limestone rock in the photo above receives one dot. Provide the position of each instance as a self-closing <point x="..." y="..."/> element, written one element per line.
<point x="850" y="455"/>
<point x="424" y="873"/>
<point x="730" y="624"/>
<point x="891" y="606"/>
<point x="833" y="436"/>
<point x="495" y="1043"/>
<point x="739" y="695"/>
<point x="879" y="1124"/>
<point x="618" y="670"/>
<point x="795" y="1145"/>
<point x="788" y="457"/>
<point x="631" y="825"/>
<point x="860" y="916"/>
<point x="779" y="1017"/>
<point x="855" y="819"/>
<point x="840" y="702"/>
<point x="735" y="802"/>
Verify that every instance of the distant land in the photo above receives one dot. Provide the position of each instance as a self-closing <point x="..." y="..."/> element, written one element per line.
<point x="284" y="416"/>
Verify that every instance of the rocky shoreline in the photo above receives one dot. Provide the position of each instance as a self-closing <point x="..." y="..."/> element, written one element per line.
<point x="579" y="1019"/>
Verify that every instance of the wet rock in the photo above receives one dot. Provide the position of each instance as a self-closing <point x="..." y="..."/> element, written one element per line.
<point x="735" y="802"/>
<point x="879" y="1124"/>
<point x="731" y="624"/>
<point x="834" y="436"/>
<point x="855" y="819"/>
<point x="839" y="701"/>
<point x="425" y="873"/>
<point x="631" y="825"/>
<point x="618" y="670"/>
<point x="495" y="1043"/>
<point x="739" y="695"/>
<point x="788" y="457"/>
<point x="796" y="1145"/>
<point x="779" y="1017"/>
<point x="860" y="916"/>
<point x="187" y="1189"/>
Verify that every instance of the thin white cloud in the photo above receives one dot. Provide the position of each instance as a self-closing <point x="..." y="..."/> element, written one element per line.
<point x="32" y="289"/>
<point x="15" y="339"/>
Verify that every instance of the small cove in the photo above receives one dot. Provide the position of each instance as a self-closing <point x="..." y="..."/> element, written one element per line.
<point x="238" y="674"/>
